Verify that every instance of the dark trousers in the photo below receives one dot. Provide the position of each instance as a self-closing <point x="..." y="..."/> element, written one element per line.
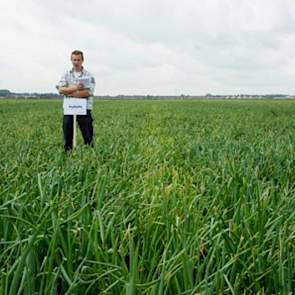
<point x="86" y="127"/>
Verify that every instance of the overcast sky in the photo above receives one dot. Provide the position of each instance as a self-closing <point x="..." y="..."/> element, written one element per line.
<point x="151" y="46"/>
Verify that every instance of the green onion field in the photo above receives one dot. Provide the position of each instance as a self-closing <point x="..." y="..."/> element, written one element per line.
<point x="176" y="197"/>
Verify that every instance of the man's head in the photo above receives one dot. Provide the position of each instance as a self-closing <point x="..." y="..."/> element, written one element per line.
<point x="77" y="59"/>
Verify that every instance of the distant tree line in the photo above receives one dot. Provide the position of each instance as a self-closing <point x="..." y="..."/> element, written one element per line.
<point x="5" y="93"/>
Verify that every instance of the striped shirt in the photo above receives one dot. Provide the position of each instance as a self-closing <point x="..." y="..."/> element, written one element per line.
<point x="69" y="78"/>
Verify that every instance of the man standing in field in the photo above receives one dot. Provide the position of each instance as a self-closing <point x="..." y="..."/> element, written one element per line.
<point x="70" y="86"/>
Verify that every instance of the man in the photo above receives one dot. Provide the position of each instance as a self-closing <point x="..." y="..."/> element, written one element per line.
<point x="70" y="86"/>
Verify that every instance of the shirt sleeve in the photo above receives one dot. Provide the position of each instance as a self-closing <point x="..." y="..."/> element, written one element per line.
<point x="92" y="85"/>
<point x="62" y="82"/>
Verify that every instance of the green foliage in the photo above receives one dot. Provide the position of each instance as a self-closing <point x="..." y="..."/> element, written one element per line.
<point x="176" y="197"/>
<point x="4" y="92"/>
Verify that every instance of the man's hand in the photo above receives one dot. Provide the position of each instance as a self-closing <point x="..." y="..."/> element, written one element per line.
<point x="79" y="86"/>
<point x="81" y="94"/>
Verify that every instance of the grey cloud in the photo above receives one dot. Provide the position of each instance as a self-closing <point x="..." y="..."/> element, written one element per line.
<point x="132" y="46"/>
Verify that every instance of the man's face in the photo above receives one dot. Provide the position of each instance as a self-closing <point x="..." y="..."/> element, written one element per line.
<point x="77" y="61"/>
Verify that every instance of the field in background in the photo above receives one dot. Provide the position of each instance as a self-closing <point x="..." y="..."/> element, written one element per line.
<point x="177" y="197"/>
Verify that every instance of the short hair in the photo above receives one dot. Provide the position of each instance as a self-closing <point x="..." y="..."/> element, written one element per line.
<point x="78" y="52"/>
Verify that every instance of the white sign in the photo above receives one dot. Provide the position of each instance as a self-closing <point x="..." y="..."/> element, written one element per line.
<point x="75" y="106"/>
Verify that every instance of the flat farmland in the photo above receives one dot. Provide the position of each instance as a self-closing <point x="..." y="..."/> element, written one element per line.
<point x="176" y="197"/>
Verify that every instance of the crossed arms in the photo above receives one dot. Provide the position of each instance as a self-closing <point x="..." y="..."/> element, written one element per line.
<point x="76" y="90"/>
